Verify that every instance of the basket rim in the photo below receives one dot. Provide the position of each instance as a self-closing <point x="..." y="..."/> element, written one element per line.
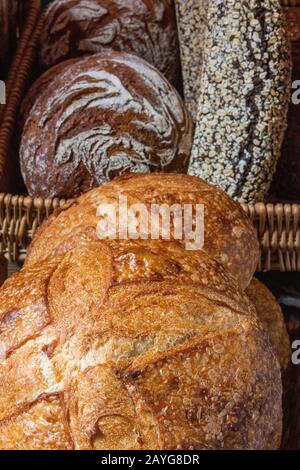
<point x="258" y="207"/>
<point x="16" y="79"/>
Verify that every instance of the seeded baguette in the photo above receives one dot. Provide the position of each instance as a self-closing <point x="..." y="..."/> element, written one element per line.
<point x="135" y="344"/>
<point x="103" y="116"/>
<point x="191" y="21"/>
<point x="243" y="97"/>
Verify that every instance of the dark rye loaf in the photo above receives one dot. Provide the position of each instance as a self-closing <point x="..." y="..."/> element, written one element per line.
<point x="146" y="28"/>
<point x="103" y="116"/>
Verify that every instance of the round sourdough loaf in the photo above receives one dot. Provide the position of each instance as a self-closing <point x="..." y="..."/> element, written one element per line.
<point x="104" y="115"/>
<point x="229" y="236"/>
<point x="134" y="346"/>
<point x="270" y="313"/>
<point x="146" y="28"/>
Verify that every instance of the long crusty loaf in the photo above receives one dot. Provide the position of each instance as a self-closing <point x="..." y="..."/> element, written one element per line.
<point x="192" y="25"/>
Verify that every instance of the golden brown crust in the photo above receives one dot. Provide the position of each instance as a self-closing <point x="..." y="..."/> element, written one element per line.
<point x="137" y="344"/>
<point x="229" y="236"/>
<point x="134" y="359"/>
<point x="270" y="313"/>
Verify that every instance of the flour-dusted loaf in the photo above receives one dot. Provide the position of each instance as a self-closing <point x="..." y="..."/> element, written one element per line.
<point x="103" y="116"/>
<point x="133" y="345"/>
<point x="146" y="28"/>
<point x="229" y="236"/>
<point x="39" y="87"/>
<point x="270" y="313"/>
<point x="286" y="183"/>
<point x="243" y="97"/>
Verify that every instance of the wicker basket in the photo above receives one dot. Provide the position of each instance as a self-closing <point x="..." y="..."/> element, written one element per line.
<point x="278" y="226"/>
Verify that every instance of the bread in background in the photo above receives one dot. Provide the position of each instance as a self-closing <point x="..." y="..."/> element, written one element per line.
<point x="143" y="28"/>
<point x="243" y="98"/>
<point x="229" y="236"/>
<point x="103" y="116"/>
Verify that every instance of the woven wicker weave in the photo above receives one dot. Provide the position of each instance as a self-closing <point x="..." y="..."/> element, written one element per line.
<point x="20" y="216"/>
<point x="290" y="3"/>
<point x="278" y="229"/>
